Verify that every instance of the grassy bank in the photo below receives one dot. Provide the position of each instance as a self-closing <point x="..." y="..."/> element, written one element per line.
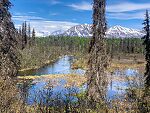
<point x="47" y="50"/>
<point x="36" y="57"/>
<point x="132" y="61"/>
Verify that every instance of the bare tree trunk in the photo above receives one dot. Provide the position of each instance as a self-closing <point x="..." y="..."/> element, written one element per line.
<point x="98" y="58"/>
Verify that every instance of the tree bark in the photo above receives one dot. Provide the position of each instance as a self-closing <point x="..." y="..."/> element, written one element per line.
<point x="97" y="58"/>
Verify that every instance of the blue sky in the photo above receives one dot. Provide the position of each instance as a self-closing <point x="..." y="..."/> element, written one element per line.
<point x="51" y="15"/>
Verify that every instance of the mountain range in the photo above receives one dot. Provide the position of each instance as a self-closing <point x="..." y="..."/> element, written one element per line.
<point x="85" y="30"/>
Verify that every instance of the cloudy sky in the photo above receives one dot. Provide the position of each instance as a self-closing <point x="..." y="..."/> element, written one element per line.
<point x="51" y="15"/>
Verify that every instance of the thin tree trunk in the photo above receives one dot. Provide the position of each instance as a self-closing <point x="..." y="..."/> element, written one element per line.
<point x="98" y="59"/>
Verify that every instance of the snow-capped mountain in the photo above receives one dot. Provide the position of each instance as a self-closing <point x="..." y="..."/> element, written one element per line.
<point x="42" y="33"/>
<point x="58" y="32"/>
<point x="123" y="32"/>
<point x="112" y="32"/>
<point x="79" y="30"/>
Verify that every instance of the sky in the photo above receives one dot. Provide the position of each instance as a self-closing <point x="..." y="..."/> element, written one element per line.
<point x="51" y="15"/>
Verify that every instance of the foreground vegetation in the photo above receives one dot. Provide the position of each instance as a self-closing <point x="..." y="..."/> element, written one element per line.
<point x="57" y="46"/>
<point x="16" y="51"/>
<point x="47" y="50"/>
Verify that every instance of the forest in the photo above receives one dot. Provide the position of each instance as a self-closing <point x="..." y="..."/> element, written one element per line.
<point x="72" y="74"/>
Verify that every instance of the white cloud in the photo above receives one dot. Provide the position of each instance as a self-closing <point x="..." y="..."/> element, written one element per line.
<point x="127" y="6"/>
<point x="54" y="14"/>
<point x="26" y="18"/>
<point x="32" y="12"/>
<point x="120" y="10"/>
<point x="126" y="16"/>
<point x="43" y="26"/>
<point x="55" y="2"/>
<point x="82" y="6"/>
<point x="119" y="7"/>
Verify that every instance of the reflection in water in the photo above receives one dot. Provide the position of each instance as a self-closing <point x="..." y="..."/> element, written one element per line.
<point x="117" y="89"/>
<point x="126" y="72"/>
<point x="38" y="92"/>
<point x="63" y="66"/>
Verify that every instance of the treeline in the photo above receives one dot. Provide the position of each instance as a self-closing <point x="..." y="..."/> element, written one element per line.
<point x="27" y="36"/>
<point x="114" y="45"/>
<point x="70" y="44"/>
<point x="125" y="46"/>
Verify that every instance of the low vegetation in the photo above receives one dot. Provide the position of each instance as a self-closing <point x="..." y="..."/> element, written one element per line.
<point x="72" y="80"/>
<point x="46" y="50"/>
<point x="19" y="50"/>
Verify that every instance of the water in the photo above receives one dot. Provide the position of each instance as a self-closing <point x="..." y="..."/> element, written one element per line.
<point x="126" y="72"/>
<point x="63" y="66"/>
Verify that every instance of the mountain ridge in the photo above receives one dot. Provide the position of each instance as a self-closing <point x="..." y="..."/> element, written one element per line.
<point x="85" y="30"/>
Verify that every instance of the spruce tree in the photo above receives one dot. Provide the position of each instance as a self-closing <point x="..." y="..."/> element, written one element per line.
<point x="25" y="33"/>
<point x="24" y="36"/>
<point x="29" y="31"/>
<point x="9" y="62"/>
<point x="33" y="36"/>
<point x="29" y="39"/>
<point x="147" y="48"/>
<point x="98" y="59"/>
<point x="144" y="107"/>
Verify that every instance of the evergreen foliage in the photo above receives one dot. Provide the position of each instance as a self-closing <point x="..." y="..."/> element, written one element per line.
<point x="9" y="62"/>
<point x="8" y="41"/>
<point x="147" y="47"/>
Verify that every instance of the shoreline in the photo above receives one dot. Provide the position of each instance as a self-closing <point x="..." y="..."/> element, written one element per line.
<point x="48" y="62"/>
<point x="114" y="64"/>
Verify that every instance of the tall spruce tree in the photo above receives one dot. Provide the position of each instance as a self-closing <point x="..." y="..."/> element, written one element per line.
<point x="29" y="31"/>
<point x="33" y="36"/>
<point x="147" y="48"/>
<point x="98" y="60"/>
<point x="29" y="39"/>
<point x="24" y="35"/>
<point x="9" y="63"/>
<point x="144" y="107"/>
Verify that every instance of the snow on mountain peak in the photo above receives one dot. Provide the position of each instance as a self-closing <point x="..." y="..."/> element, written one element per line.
<point x="123" y="32"/>
<point x="85" y="30"/>
<point x="58" y="32"/>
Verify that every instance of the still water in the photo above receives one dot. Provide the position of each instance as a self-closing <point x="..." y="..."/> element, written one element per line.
<point x="63" y="66"/>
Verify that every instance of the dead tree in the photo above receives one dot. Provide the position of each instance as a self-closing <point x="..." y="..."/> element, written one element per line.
<point x="97" y="58"/>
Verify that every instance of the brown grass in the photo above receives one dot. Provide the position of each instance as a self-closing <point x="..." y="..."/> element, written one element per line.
<point x="125" y="62"/>
<point x="72" y="80"/>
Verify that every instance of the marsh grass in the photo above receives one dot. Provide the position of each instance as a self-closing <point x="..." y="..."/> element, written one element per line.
<point x="124" y="62"/>
<point x="71" y="79"/>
